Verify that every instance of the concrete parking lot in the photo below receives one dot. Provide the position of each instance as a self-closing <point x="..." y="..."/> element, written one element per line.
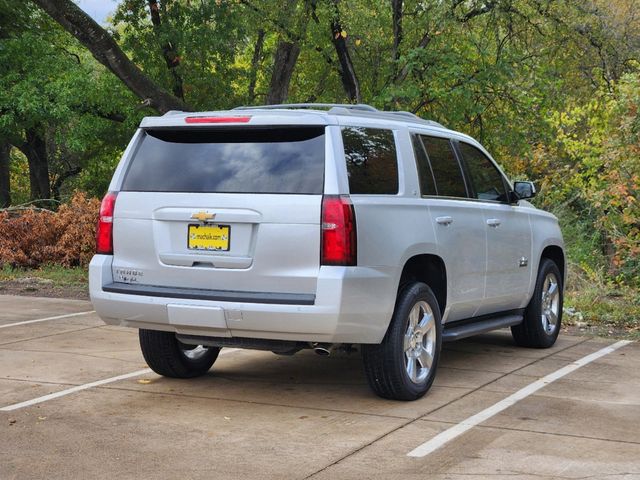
<point x="259" y="415"/>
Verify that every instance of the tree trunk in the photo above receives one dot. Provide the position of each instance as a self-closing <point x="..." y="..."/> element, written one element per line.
<point x="288" y="49"/>
<point x="283" y="65"/>
<point x="255" y="63"/>
<point x="35" y="149"/>
<point x="347" y="71"/>
<point x="64" y="176"/>
<point x="106" y="51"/>
<point x="396" y="10"/>
<point x="169" y="52"/>
<point x="404" y="72"/>
<point x="5" y="179"/>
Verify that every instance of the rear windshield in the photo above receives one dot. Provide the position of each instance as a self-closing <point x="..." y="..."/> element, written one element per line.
<point x="273" y="160"/>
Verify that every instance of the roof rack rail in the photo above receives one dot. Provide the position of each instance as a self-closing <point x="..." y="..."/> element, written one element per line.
<point x="413" y="116"/>
<point x="360" y="109"/>
<point x="352" y="106"/>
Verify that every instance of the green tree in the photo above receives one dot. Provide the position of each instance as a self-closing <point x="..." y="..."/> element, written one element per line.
<point x="58" y="108"/>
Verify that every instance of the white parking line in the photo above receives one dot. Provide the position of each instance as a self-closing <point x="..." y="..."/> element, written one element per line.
<point x="457" y="430"/>
<point x="86" y="386"/>
<point x="26" y="322"/>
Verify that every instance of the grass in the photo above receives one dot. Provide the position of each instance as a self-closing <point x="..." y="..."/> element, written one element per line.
<point x="601" y="307"/>
<point x="58" y="275"/>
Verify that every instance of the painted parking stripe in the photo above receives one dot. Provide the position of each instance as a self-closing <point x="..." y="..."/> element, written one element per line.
<point x="462" y="427"/>
<point x="57" y="317"/>
<point x="86" y="386"/>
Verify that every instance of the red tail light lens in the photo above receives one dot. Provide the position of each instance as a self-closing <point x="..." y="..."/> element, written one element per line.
<point x="338" y="231"/>
<point x="104" y="232"/>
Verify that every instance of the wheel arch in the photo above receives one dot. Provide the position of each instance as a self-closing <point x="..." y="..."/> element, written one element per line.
<point x="429" y="269"/>
<point x="556" y="254"/>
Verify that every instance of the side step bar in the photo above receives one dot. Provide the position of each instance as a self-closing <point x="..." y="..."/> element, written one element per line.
<point x="470" y="328"/>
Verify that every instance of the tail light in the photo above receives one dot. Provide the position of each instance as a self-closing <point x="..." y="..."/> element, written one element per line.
<point x="104" y="232"/>
<point x="338" y="231"/>
<point x="235" y="119"/>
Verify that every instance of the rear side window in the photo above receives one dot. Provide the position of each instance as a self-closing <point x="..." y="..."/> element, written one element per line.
<point x="273" y="160"/>
<point x="445" y="166"/>
<point x="427" y="186"/>
<point x="372" y="164"/>
<point x="485" y="177"/>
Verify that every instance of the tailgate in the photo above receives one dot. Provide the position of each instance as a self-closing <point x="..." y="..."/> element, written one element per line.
<point x="227" y="210"/>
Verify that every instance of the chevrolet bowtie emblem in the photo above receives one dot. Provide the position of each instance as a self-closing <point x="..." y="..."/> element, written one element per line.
<point x="203" y="216"/>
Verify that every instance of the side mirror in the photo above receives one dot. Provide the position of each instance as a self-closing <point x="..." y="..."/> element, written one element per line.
<point x="524" y="190"/>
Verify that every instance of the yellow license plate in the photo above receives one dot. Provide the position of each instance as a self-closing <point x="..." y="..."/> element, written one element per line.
<point x="208" y="237"/>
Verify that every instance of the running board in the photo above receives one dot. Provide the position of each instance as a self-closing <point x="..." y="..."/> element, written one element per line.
<point x="470" y="328"/>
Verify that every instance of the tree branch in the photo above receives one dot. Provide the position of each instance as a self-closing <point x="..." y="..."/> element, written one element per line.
<point x="479" y="10"/>
<point x="396" y="14"/>
<point x="255" y="63"/>
<point x="293" y="37"/>
<point x="169" y="53"/>
<point x="347" y="70"/>
<point x="104" y="48"/>
<point x="404" y="72"/>
<point x="57" y="184"/>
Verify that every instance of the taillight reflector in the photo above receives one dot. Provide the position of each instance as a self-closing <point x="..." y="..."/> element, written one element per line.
<point x="104" y="232"/>
<point x="338" y="231"/>
<point x="217" y="119"/>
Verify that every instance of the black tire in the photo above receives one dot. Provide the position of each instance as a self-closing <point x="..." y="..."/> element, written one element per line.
<point x="168" y="357"/>
<point x="386" y="364"/>
<point x="535" y="330"/>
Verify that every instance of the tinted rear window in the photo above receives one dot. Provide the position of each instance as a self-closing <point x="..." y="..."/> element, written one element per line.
<point x="274" y="160"/>
<point x="372" y="165"/>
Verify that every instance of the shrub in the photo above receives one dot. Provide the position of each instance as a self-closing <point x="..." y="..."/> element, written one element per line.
<point x="35" y="237"/>
<point x="592" y="170"/>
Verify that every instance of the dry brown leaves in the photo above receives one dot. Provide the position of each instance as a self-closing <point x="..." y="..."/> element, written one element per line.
<point x="36" y="237"/>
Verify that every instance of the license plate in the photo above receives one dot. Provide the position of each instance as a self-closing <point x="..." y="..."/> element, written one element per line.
<point x="208" y="237"/>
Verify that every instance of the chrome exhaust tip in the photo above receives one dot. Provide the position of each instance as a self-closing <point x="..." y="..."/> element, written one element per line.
<point x="324" y="349"/>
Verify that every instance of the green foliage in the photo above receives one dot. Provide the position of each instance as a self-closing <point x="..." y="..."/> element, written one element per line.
<point x="593" y="167"/>
<point x="51" y="85"/>
<point x="208" y="37"/>
<point x="19" y="177"/>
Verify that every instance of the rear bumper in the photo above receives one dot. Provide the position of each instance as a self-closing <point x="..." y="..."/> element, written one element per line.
<point x="215" y="295"/>
<point x="351" y="305"/>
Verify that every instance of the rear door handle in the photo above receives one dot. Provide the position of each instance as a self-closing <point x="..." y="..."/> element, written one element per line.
<point x="493" y="222"/>
<point x="444" y="220"/>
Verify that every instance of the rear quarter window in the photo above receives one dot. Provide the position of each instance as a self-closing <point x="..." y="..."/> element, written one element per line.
<point x="271" y="160"/>
<point x="372" y="164"/>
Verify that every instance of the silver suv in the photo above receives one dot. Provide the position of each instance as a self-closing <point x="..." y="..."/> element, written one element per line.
<point x="320" y="226"/>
